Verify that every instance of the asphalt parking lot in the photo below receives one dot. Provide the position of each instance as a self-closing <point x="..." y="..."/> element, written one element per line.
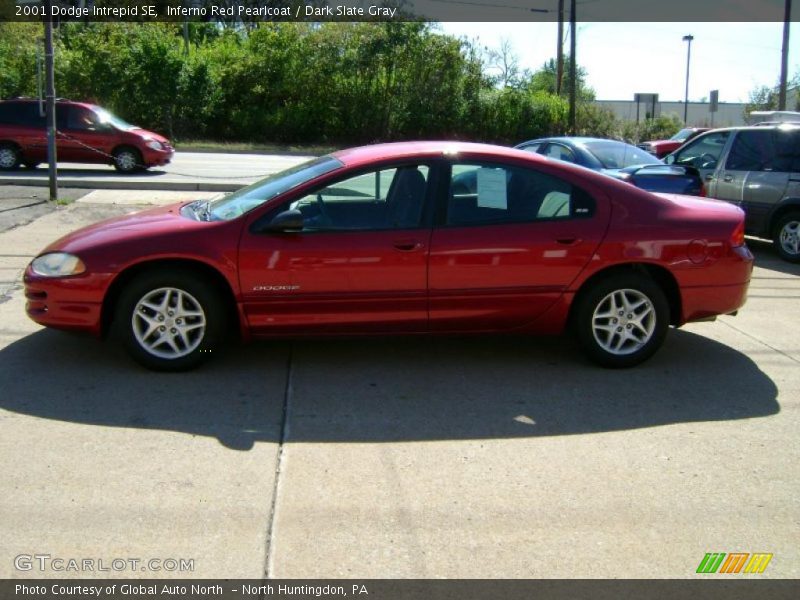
<point x="465" y="457"/>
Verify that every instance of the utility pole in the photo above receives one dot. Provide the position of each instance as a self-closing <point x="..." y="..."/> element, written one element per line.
<point x="687" y="38"/>
<point x="560" y="48"/>
<point x="572" y="68"/>
<point x="50" y="96"/>
<point x="787" y="17"/>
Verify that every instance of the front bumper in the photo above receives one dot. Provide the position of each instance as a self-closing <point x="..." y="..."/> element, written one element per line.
<point x="71" y="303"/>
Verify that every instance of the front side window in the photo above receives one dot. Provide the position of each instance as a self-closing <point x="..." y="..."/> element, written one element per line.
<point x="81" y="119"/>
<point x="497" y="194"/>
<point x="704" y="152"/>
<point x="390" y="198"/>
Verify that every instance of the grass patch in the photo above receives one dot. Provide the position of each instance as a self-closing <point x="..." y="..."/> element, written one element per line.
<point x="251" y="148"/>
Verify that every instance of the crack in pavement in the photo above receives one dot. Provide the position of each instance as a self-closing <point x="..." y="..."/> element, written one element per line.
<point x="268" y="568"/>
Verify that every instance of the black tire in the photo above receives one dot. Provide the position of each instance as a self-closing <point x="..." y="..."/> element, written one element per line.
<point x="128" y="160"/>
<point x="787" y="237"/>
<point x="161" y="287"/>
<point x="641" y="335"/>
<point x="10" y="157"/>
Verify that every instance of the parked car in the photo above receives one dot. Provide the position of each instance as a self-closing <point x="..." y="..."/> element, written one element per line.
<point x="660" y="148"/>
<point x="758" y="169"/>
<point x="374" y="240"/>
<point x="622" y="161"/>
<point x="85" y="133"/>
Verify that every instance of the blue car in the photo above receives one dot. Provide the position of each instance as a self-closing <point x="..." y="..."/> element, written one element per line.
<point x="622" y="161"/>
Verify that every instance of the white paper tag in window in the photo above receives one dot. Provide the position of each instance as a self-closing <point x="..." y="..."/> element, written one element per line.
<point x="492" y="188"/>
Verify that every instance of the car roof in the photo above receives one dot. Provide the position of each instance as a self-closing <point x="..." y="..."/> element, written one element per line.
<point x="26" y="99"/>
<point x="575" y="140"/>
<point x="428" y="149"/>
<point x="757" y="127"/>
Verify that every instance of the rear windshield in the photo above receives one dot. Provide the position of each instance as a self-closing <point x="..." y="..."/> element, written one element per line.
<point x="618" y="155"/>
<point x="682" y="135"/>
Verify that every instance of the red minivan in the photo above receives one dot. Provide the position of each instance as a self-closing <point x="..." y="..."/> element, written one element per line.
<point x="86" y="133"/>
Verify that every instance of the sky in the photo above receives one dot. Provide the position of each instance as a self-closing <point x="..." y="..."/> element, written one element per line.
<point x="625" y="58"/>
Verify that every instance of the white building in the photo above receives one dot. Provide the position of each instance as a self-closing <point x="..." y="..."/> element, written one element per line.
<point x="728" y="113"/>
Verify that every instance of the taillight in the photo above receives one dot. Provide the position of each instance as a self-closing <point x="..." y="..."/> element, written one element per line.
<point x="703" y="189"/>
<point x="737" y="237"/>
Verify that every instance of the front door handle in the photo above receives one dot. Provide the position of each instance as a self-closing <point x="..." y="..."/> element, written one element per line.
<point x="406" y="245"/>
<point x="568" y="241"/>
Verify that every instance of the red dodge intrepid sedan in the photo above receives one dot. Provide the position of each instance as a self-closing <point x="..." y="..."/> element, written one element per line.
<point x="388" y="239"/>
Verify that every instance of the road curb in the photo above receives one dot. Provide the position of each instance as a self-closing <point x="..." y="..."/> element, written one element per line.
<point x="133" y="184"/>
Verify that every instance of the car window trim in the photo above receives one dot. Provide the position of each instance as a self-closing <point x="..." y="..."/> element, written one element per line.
<point x="272" y="207"/>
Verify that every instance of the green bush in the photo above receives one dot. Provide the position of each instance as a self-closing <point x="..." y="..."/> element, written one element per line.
<point x="330" y="83"/>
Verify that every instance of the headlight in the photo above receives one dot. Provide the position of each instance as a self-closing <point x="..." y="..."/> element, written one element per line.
<point x="57" y="264"/>
<point x="154" y="145"/>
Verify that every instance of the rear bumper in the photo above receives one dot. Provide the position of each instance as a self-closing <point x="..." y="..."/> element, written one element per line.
<point x="701" y="302"/>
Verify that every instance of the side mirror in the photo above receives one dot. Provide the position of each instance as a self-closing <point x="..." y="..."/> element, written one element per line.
<point x="288" y="220"/>
<point x="669" y="159"/>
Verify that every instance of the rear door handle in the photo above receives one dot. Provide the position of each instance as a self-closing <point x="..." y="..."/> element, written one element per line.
<point x="728" y="178"/>
<point x="709" y="177"/>
<point x="407" y="245"/>
<point x="568" y="241"/>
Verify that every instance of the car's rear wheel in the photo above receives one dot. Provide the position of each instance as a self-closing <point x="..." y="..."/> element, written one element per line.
<point x="10" y="157"/>
<point x="787" y="237"/>
<point x="622" y="320"/>
<point x="170" y="321"/>
<point x="127" y="160"/>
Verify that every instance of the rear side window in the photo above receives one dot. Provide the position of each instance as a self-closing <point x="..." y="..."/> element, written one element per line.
<point x="484" y="194"/>
<point x="753" y="151"/>
<point x="787" y="151"/>
<point x="560" y="152"/>
<point x="21" y="113"/>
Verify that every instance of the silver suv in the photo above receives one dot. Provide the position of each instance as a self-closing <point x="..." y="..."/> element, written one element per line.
<point x="757" y="168"/>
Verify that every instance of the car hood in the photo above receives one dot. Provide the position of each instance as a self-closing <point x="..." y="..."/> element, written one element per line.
<point x="148" y="135"/>
<point x="657" y="143"/>
<point x="152" y="222"/>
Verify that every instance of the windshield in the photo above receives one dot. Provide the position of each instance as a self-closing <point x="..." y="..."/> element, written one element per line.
<point x="107" y="117"/>
<point x="248" y="198"/>
<point x="618" y="155"/>
<point x="682" y="135"/>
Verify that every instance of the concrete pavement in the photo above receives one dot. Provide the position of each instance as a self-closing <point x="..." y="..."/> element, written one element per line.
<point x="188" y="171"/>
<point x="476" y="457"/>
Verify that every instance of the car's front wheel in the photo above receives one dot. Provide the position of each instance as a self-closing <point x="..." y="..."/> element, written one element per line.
<point x="9" y="157"/>
<point x="127" y="160"/>
<point x="622" y="320"/>
<point x="169" y="321"/>
<point x="787" y="237"/>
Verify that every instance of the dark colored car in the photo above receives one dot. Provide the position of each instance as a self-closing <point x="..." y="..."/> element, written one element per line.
<point x="758" y="169"/>
<point x="85" y="134"/>
<point x="660" y="148"/>
<point x="620" y="160"/>
<point x="377" y="240"/>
